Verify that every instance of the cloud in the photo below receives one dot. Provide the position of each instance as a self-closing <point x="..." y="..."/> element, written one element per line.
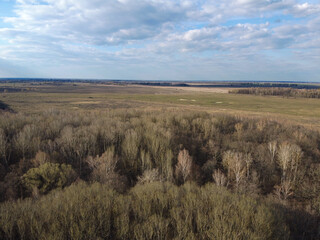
<point x="97" y="21"/>
<point x="119" y="37"/>
<point x="9" y="69"/>
<point x="305" y="9"/>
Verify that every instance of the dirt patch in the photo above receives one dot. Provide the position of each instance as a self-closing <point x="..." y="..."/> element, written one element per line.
<point x="87" y="102"/>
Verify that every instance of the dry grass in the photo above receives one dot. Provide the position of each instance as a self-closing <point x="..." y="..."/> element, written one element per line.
<point x="86" y="96"/>
<point x="194" y="89"/>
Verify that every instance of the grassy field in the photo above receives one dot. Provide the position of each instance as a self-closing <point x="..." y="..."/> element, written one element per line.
<point x="286" y="106"/>
<point x="66" y="96"/>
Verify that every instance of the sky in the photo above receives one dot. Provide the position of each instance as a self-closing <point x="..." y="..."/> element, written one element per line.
<point x="271" y="40"/>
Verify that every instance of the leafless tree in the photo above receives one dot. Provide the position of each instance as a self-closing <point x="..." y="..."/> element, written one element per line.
<point x="289" y="158"/>
<point x="184" y="165"/>
<point x="40" y="158"/>
<point x="167" y="171"/>
<point x="149" y="176"/>
<point x="236" y="165"/>
<point x="219" y="178"/>
<point x="261" y="124"/>
<point x="146" y="162"/>
<point x="130" y="148"/>
<point x="24" y="140"/>
<point x="297" y="156"/>
<point x="239" y="129"/>
<point x="248" y="159"/>
<point x="272" y="147"/>
<point x="3" y="146"/>
<point x="67" y="142"/>
<point x="104" y="166"/>
<point x="284" y="190"/>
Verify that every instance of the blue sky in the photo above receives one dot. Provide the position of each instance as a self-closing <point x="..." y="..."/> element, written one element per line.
<point x="274" y="40"/>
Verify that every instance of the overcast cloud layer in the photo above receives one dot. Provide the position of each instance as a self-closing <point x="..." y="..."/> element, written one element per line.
<point x="161" y="39"/>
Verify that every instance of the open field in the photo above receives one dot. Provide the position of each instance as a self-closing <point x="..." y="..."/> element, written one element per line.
<point x="95" y="96"/>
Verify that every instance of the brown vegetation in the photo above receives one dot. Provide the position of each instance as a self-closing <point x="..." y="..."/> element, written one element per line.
<point x="155" y="172"/>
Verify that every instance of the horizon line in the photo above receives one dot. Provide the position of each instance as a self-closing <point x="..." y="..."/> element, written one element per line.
<point x="149" y="80"/>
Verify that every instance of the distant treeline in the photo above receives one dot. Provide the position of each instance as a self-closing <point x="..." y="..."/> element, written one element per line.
<point x="273" y="85"/>
<point x="163" y="84"/>
<point x="255" y="85"/>
<point x="11" y="89"/>
<point x="208" y="84"/>
<point x="285" y="92"/>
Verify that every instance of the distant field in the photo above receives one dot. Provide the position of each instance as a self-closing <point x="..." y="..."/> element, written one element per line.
<point x="286" y="106"/>
<point x="305" y="111"/>
<point x="93" y="96"/>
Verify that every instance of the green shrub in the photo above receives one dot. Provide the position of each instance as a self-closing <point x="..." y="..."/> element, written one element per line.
<point x="48" y="176"/>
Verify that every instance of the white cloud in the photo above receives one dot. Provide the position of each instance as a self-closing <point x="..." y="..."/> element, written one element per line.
<point x="131" y="34"/>
<point x="305" y="9"/>
<point x="98" y="21"/>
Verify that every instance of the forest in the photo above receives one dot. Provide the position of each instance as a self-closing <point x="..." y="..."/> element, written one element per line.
<point x="156" y="174"/>
<point x="279" y="91"/>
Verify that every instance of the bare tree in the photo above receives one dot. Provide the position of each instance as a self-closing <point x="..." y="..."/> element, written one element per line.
<point x="146" y="162"/>
<point x="66" y="143"/>
<point x="184" y="165"/>
<point x="219" y="178"/>
<point x="130" y="149"/>
<point x="297" y="156"/>
<point x="248" y="159"/>
<point x="40" y="159"/>
<point x="236" y="165"/>
<point x="167" y="171"/>
<point x="272" y="147"/>
<point x="76" y="144"/>
<point x="239" y="129"/>
<point x="149" y="176"/>
<point x="3" y="146"/>
<point x="103" y="167"/>
<point x="284" y="190"/>
<point x="261" y="124"/>
<point x="284" y="158"/>
<point x="289" y="158"/>
<point x="84" y="144"/>
<point x="22" y="142"/>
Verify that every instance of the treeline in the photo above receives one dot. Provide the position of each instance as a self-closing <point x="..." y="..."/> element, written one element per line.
<point x="277" y="91"/>
<point x="150" y="151"/>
